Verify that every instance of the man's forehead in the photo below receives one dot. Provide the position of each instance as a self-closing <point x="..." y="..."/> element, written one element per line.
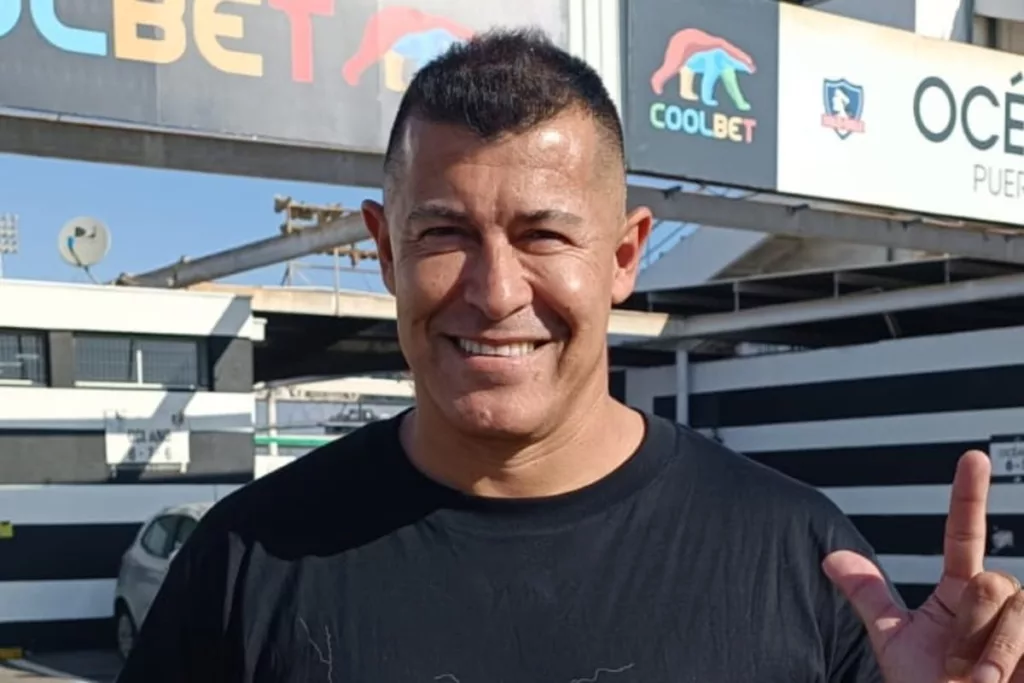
<point x="557" y="171"/>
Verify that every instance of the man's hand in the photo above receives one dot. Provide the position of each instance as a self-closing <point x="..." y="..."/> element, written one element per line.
<point x="972" y="626"/>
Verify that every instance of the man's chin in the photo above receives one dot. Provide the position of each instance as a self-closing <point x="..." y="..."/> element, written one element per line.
<point x="496" y="415"/>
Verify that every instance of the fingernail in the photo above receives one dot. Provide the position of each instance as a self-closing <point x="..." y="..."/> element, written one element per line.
<point x="958" y="668"/>
<point x="987" y="673"/>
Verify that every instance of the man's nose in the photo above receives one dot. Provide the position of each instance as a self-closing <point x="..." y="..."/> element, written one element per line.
<point x="496" y="283"/>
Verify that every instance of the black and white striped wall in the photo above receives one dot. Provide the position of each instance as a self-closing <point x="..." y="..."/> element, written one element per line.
<point x="877" y="427"/>
<point x="81" y="366"/>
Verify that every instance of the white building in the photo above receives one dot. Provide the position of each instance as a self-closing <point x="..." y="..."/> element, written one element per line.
<point x="873" y="408"/>
<point x="113" y="402"/>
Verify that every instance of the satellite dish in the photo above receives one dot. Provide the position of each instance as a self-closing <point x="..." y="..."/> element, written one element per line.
<point x="83" y="242"/>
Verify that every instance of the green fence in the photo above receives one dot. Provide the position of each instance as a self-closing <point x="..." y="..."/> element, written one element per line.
<point x="294" y="440"/>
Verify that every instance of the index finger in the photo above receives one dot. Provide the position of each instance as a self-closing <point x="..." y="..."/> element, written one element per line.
<point x="966" y="539"/>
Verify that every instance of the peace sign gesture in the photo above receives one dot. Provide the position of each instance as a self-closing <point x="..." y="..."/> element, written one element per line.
<point x="972" y="626"/>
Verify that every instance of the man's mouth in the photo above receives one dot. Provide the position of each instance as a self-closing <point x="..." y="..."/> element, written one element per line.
<point x="510" y="350"/>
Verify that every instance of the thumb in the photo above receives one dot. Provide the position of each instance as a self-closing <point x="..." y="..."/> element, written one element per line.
<point x="862" y="582"/>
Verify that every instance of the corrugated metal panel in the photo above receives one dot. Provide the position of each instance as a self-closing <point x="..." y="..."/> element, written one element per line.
<point x="594" y="35"/>
<point x="1009" y="36"/>
<point x="1011" y="10"/>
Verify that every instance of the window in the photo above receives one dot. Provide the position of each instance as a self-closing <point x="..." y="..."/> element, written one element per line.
<point x="150" y="361"/>
<point x="157" y="539"/>
<point x="185" y="529"/>
<point x="22" y="357"/>
<point x="665" y="406"/>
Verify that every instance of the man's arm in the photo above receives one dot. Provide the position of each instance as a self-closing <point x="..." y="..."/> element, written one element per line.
<point x="182" y="638"/>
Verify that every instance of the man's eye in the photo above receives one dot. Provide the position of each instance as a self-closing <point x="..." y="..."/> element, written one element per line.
<point x="442" y="231"/>
<point x="544" y="235"/>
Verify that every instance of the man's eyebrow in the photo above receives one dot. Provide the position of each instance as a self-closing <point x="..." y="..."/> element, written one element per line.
<point x="551" y="216"/>
<point x="434" y="212"/>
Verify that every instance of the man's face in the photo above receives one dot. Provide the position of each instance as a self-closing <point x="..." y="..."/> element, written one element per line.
<point x="505" y="258"/>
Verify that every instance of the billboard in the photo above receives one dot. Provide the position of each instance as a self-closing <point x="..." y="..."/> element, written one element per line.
<point x="781" y="98"/>
<point x="314" y="72"/>
<point x="701" y="80"/>
<point x="888" y="118"/>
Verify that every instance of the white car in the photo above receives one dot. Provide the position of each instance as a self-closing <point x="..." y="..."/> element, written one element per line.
<point x="144" y="566"/>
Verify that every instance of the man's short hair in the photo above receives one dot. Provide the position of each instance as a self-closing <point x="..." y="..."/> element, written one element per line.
<point x="504" y="82"/>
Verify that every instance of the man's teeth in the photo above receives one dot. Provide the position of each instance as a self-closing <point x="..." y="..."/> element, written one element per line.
<point x="478" y="349"/>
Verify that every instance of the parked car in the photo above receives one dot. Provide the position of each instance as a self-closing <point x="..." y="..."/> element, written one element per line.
<point x="144" y="566"/>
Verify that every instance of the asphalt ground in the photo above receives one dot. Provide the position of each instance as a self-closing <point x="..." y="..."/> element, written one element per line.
<point x="62" y="667"/>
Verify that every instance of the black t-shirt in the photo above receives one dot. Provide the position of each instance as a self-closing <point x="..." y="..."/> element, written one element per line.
<point x="688" y="563"/>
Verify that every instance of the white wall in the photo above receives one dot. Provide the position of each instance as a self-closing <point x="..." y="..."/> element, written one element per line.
<point x="67" y="538"/>
<point x="886" y="467"/>
<point x="87" y="509"/>
<point x="594" y="36"/>
<point x="87" y="409"/>
<point x="106" y="308"/>
<point x="643" y="385"/>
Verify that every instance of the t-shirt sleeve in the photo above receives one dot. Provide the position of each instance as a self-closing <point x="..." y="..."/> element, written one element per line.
<point x="852" y="658"/>
<point x="182" y="637"/>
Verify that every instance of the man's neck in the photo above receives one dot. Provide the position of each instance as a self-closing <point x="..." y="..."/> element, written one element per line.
<point x="599" y="437"/>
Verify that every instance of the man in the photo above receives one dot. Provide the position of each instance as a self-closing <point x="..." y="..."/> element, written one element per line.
<point x="519" y="524"/>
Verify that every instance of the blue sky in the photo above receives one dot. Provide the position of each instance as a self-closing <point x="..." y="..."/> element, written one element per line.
<point x="156" y="217"/>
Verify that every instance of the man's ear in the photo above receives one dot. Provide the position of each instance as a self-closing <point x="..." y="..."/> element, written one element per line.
<point x="377" y="224"/>
<point x="629" y="251"/>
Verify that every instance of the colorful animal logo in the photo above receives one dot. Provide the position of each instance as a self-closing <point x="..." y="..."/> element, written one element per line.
<point x="692" y="52"/>
<point x="403" y="40"/>
<point x="844" y="107"/>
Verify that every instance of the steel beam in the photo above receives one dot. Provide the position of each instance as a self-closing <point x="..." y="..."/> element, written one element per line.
<point x="990" y="242"/>
<point x="712" y="325"/>
<point x="342" y="232"/>
<point x="66" y="137"/>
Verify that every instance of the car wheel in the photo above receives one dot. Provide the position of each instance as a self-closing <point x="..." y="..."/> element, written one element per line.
<point x="126" y="631"/>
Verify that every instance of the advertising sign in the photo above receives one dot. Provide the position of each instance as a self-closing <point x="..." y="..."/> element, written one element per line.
<point x="1007" y="455"/>
<point x="320" y="72"/>
<point x="877" y="116"/>
<point x="160" y="442"/>
<point x="700" y="97"/>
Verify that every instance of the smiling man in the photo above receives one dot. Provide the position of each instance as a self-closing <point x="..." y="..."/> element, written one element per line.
<point x="519" y="524"/>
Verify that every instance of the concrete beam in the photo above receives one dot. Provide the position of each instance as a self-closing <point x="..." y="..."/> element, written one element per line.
<point x="66" y="137"/>
<point x="310" y="301"/>
<point x="991" y="242"/>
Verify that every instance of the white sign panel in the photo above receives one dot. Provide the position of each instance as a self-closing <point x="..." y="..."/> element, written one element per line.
<point x="1007" y="454"/>
<point x="158" y="442"/>
<point x="873" y="115"/>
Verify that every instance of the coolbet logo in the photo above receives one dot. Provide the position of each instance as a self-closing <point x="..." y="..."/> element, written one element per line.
<point x="996" y="180"/>
<point x="844" y="106"/>
<point x="692" y="52"/>
<point x="158" y="32"/>
<point x="403" y="40"/>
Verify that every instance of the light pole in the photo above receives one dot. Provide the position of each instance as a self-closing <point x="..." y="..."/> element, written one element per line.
<point x="8" y="237"/>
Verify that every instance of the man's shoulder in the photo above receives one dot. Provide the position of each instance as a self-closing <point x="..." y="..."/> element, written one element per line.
<point x="745" y="489"/>
<point x="346" y="473"/>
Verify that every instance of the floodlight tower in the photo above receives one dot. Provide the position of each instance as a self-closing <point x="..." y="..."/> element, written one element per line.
<point x="8" y="237"/>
